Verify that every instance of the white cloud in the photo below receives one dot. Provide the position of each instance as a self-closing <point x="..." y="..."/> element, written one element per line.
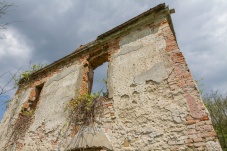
<point x="202" y="36"/>
<point x="61" y="26"/>
<point x="14" y="46"/>
<point x="15" y="52"/>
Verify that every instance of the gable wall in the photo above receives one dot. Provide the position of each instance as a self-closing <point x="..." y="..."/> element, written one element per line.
<point x="153" y="101"/>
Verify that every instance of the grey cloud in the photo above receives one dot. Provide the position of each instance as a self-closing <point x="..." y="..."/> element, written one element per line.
<point x="56" y="28"/>
<point x="196" y="29"/>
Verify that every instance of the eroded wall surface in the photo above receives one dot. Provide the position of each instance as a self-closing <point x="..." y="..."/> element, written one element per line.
<point x="157" y="104"/>
<point x="153" y="101"/>
<point x="49" y="125"/>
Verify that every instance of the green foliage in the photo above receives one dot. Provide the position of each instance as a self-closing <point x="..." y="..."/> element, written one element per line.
<point x="23" y="122"/>
<point x="25" y="76"/>
<point x="200" y="84"/>
<point x="29" y="113"/>
<point x="86" y="100"/>
<point x="101" y="91"/>
<point x="83" y="110"/>
<point x="217" y="105"/>
<point x="105" y="81"/>
<point x="36" y="67"/>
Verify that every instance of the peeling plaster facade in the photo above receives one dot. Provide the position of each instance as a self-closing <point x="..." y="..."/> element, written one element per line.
<point x="153" y="104"/>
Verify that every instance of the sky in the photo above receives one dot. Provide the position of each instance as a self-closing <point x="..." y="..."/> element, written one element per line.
<point x="45" y="31"/>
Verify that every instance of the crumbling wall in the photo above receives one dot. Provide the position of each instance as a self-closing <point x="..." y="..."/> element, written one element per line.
<point x="156" y="100"/>
<point x="153" y="102"/>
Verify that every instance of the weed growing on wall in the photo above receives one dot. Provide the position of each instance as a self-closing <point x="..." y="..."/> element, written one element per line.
<point x="86" y="108"/>
<point x="25" y="76"/>
<point x="22" y="124"/>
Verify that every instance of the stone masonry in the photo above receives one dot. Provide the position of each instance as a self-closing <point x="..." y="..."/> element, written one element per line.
<point x="153" y="102"/>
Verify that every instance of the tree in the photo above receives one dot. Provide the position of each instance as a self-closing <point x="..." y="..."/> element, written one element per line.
<point x="4" y="8"/>
<point x="11" y="78"/>
<point x="216" y="103"/>
<point x="5" y="87"/>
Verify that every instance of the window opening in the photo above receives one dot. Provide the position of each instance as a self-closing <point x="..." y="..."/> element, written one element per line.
<point x="100" y="79"/>
<point x="34" y="103"/>
<point x="26" y="115"/>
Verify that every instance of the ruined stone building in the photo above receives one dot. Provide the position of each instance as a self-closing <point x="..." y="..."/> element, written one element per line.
<point x="152" y="103"/>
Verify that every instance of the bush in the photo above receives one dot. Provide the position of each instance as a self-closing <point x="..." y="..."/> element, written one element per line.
<point x="84" y="109"/>
<point x="217" y="105"/>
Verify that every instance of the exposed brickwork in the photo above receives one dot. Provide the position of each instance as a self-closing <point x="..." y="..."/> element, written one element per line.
<point x="153" y="101"/>
<point x="200" y="130"/>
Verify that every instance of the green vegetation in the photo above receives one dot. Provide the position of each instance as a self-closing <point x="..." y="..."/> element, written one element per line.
<point x="22" y="124"/>
<point x="87" y="100"/>
<point x="217" y="105"/>
<point x="25" y="76"/>
<point x="200" y="84"/>
<point x="102" y="91"/>
<point x="35" y="67"/>
<point x="83" y="110"/>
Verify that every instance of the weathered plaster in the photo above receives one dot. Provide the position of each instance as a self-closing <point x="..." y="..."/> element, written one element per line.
<point x="10" y="118"/>
<point x="153" y="104"/>
<point x="51" y="114"/>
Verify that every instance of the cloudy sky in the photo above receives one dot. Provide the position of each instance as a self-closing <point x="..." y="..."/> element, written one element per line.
<point x="44" y="31"/>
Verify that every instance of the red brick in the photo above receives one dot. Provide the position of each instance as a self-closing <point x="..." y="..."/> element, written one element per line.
<point x="202" y="134"/>
<point x="110" y="104"/>
<point x="200" y="123"/>
<point x="190" y="144"/>
<point x="188" y="118"/>
<point x="206" y="134"/>
<point x="207" y="127"/>
<point x="192" y="136"/>
<point x="32" y="95"/>
<point x="26" y="105"/>
<point x="194" y="110"/>
<point x="189" y="132"/>
<point x="199" y="144"/>
<point x="190" y="122"/>
<point x="204" y="118"/>
<point x="188" y="141"/>
<point x="198" y="139"/>
<point x="212" y="134"/>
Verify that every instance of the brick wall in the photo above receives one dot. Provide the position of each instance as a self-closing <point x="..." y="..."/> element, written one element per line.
<point x="153" y="101"/>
